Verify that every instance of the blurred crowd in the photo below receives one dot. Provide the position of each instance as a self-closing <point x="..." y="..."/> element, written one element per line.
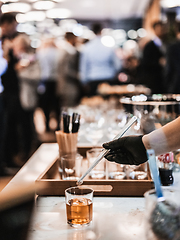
<point x="54" y="76"/>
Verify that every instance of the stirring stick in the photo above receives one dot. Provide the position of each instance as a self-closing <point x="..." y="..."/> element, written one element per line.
<point x="105" y="151"/>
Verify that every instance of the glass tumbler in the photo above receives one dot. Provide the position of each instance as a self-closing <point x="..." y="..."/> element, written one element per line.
<point x="115" y="171"/>
<point x="70" y="166"/>
<point x="79" y="206"/>
<point x="99" y="171"/>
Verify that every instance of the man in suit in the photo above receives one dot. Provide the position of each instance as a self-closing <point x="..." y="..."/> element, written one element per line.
<point x="153" y="60"/>
<point x="12" y="108"/>
<point x="69" y="87"/>
<point x="172" y="73"/>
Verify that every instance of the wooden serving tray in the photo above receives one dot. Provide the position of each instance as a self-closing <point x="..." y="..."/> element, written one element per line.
<point x="55" y="186"/>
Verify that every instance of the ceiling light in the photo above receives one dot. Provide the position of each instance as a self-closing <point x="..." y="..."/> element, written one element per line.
<point x="48" y="23"/>
<point x="43" y="5"/>
<point x="58" y="13"/>
<point x="16" y="7"/>
<point x="26" y="28"/>
<point x="35" y="16"/>
<point x="132" y="34"/>
<point x="119" y="34"/>
<point x="20" y="18"/>
<point x="67" y="24"/>
<point x="4" y="1"/>
<point x="141" y="32"/>
<point x="30" y="16"/>
<point x="108" y="41"/>
<point x="56" y="31"/>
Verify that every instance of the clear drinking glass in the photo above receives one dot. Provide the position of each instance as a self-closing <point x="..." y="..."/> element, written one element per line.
<point x="94" y="132"/>
<point x="115" y="171"/>
<point x="70" y="166"/>
<point x="99" y="171"/>
<point x="136" y="172"/>
<point x="79" y="206"/>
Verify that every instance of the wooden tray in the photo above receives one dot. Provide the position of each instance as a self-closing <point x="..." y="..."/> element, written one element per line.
<point x="54" y="185"/>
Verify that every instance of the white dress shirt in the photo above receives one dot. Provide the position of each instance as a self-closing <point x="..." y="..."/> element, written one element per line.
<point x="48" y="59"/>
<point x="98" y="62"/>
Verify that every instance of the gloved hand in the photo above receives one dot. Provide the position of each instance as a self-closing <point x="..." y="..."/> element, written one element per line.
<point x="126" y="150"/>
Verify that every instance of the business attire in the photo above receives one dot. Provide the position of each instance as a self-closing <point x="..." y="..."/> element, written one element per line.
<point x="3" y="67"/>
<point x="13" y="128"/>
<point x="98" y="64"/>
<point x="172" y="73"/>
<point x="152" y="72"/>
<point x="69" y="87"/>
<point x="48" y="101"/>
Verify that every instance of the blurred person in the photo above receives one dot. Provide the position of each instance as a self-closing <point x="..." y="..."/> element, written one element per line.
<point x="28" y="70"/>
<point x="172" y="70"/>
<point x="49" y="55"/>
<point x="3" y="67"/>
<point x="130" y="71"/>
<point x="131" y="150"/>
<point x="10" y="81"/>
<point x="98" y="63"/>
<point x="69" y="86"/>
<point x="153" y="59"/>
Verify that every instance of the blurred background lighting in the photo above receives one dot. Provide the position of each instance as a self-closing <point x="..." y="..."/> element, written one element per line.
<point x="16" y="7"/>
<point x="35" y="43"/>
<point x="58" y="13"/>
<point x="108" y="41"/>
<point x="170" y="3"/>
<point x="43" y="5"/>
<point x="130" y="47"/>
<point x="35" y="16"/>
<point x="78" y="30"/>
<point x="26" y="28"/>
<point x="7" y="1"/>
<point x="132" y="34"/>
<point x="141" y="32"/>
<point x="20" y="18"/>
<point x="119" y="34"/>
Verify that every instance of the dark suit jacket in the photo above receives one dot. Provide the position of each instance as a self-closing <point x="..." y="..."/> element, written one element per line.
<point x="152" y="73"/>
<point x="173" y="68"/>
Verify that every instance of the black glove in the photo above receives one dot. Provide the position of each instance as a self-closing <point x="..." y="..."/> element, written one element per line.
<point x="126" y="150"/>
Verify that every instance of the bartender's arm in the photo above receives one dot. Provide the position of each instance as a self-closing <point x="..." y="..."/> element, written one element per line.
<point x="132" y="149"/>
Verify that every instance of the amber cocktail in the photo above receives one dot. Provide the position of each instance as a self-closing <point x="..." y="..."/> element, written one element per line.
<point x="79" y="206"/>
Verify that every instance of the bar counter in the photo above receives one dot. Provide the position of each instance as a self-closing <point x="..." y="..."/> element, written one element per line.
<point x="113" y="217"/>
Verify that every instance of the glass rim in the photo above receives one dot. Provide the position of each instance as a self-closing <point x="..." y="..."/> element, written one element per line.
<point x="80" y="188"/>
<point x="95" y="149"/>
<point x="71" y="154"/>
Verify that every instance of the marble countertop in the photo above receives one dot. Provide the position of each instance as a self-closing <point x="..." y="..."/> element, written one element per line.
<point x="113" y="218"/>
